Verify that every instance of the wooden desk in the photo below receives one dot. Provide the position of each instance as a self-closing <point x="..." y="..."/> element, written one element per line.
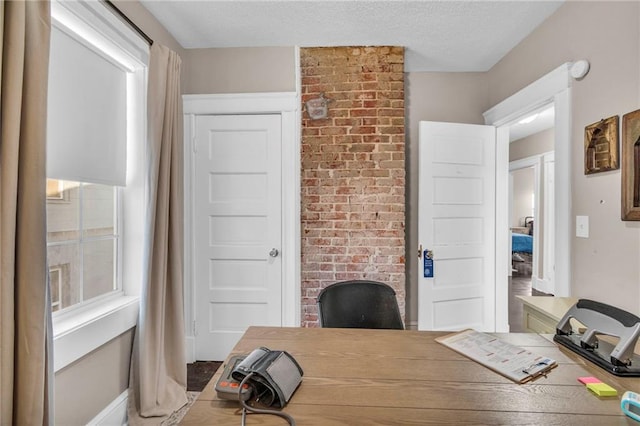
<point x="391" y="377"/>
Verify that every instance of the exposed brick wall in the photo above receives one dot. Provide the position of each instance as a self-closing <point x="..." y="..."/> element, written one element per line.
<point x="353" y="171"/>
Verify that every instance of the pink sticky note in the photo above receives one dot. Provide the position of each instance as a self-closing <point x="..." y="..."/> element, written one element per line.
<point x="586" y="380"/>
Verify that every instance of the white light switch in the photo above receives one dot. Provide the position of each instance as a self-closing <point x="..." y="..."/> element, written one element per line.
<point x="582" y="226"/>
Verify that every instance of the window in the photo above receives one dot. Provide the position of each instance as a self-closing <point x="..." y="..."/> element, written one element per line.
<point x="55" y="190"/>
<point x="95" y="168"/>
<point x="55" y="275"/>
<point x="82" y="241"/>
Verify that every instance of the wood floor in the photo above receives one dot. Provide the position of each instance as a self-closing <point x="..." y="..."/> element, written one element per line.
<point x="199" y="373"/>
<point x="519" y="285"/>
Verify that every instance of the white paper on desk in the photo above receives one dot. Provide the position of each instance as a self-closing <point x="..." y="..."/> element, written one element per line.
<point x="513" y="362"/>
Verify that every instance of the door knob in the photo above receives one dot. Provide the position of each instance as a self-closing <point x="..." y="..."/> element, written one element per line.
<point x="274" y="252"/>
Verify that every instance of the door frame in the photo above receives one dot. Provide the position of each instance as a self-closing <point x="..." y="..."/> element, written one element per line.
<point x="548" y="236"/>
<point x="542" y="231"/>
<point x="287" y="105"/>
<point x="553" y="88"/>
<point x="525" y="163"/>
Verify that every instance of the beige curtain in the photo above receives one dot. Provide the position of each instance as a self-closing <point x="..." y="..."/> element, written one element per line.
<point x="25" y="311"/>
<point x="159" y="370"/>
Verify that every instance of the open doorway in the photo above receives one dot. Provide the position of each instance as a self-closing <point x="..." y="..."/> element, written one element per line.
<point x="531" y="155"/>
<point x="522" y="196"/>
<point x="554" y="89"/>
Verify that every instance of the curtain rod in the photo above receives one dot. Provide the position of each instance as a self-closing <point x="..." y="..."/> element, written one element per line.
<point x="130" y="22"/>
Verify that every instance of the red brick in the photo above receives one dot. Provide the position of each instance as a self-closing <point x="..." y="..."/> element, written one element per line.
<point x="362" y="130"/>
<point x="362" y="147"/>
<point x="353" y="176"/>
<point x="376" y="139"/>
<point x="363" y="112"/>
<point x="347" y="121"/>
<point x="387" y="130"/>
<point x="334" y="131"/>
<point x="376" y="173"/>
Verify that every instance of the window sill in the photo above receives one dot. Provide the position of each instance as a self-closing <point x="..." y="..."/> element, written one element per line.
<point x="78" y="333"/>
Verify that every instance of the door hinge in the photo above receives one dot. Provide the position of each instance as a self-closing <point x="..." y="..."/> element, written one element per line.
<point x="194" y="145"/>
<point x="195" y="329"/>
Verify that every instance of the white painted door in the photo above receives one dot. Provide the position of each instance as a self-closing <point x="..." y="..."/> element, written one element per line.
<point x="456" y="208"/>
<point x="237" y="229"/>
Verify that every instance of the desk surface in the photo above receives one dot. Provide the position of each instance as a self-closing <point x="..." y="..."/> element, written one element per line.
<point x="391" y="377"/>
<point x="554" y="307"/>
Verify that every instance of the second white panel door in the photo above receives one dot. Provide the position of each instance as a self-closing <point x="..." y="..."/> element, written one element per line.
<point x="237" y="229"/>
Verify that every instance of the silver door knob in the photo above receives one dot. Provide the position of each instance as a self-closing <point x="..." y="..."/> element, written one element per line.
<point x="274" y="252"/>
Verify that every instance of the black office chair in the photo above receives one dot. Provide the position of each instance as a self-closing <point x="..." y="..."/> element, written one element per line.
<point x="359" y="304"/>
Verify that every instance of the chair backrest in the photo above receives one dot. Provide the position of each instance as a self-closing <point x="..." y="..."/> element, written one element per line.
<point x="359" y="304"/>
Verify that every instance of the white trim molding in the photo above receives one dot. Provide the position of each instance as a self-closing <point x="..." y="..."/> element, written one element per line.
<point x="240" y="103"/>
<point x="546" y="283"/>
<point x="87" y="329"/>
<point x="287" y="105"/>
<point x="113" y="414"/>
<point x="553" y="88"/>
<point x="536" y="95"/>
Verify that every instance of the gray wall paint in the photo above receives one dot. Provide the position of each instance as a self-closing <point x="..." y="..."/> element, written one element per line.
<point x="87" y="386"/>
<point x="154" y="29"/>
<point x="610" y="257"/>
<point x="612" y="87"/>
<point x="240" y="70"/>
<point x="538" y="143"/>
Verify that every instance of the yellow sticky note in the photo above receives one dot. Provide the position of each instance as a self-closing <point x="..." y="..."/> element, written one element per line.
<point x="602" y="389"/>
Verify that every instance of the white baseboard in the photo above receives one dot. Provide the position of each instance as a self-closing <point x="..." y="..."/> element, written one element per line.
<point x="114" y="414"/>
<point x="190" y="349"/>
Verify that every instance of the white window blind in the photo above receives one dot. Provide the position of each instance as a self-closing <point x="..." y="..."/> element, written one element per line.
<point x="87" y="114"/>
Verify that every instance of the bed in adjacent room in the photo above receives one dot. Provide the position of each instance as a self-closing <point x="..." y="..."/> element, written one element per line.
<point x="521" y="243"/>
<point x="521" y="250"/>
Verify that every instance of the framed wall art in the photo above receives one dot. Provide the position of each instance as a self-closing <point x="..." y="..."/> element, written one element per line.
<point x="601" y="146"/>
<point x="631" y="166"/>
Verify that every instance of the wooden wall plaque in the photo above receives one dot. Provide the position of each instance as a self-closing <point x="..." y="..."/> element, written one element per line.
<point x="601" y="146"/>
<point x="631" y="166"/>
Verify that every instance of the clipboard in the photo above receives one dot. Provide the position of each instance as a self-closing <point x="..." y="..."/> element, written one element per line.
<point x="510" y="361"/>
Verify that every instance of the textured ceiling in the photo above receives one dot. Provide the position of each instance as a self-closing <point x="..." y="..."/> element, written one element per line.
<point x="437" y="35"/>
